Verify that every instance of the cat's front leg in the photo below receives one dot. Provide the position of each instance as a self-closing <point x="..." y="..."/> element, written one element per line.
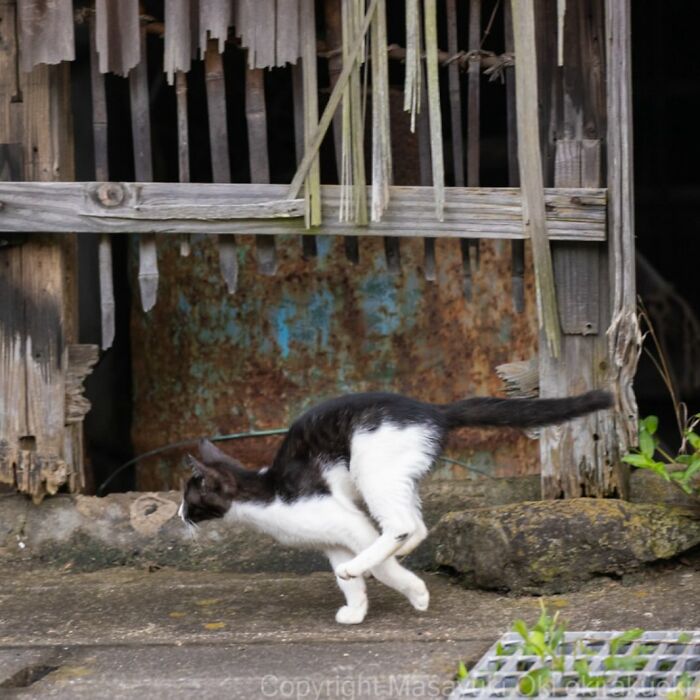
<point x="355" y="590"/>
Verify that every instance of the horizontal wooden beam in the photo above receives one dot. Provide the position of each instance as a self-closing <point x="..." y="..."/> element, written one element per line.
<point x="160" y="207"/>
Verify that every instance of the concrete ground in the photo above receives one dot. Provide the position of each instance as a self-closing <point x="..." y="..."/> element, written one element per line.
<point x="130" y="633"/>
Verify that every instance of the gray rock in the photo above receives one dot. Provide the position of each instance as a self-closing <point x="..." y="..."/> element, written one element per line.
<point x="553" y="546"/>
<point x="647" y="487"/>
<point x="85" y="533"/>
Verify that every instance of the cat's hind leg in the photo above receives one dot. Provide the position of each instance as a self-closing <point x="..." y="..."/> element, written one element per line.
<point x="355" y="590"/>
<point x="416" y="538"/>
<point x="386" y="465"/>
<point x="392" y="574"/>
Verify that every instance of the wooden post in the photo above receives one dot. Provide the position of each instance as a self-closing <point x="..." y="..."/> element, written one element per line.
<point x="40" y="434"/>
<point x="582" y="458"/>
<point x="623" y="334"/>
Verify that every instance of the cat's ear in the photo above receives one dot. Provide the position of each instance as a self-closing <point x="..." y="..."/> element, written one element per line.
<point x="211" y="454"/>
<point x="202" y="470"/>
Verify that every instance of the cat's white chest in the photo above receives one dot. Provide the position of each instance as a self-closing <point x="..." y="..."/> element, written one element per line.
<point x="306" y="522"/>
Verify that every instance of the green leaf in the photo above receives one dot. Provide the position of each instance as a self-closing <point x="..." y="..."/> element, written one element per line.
<point x="627" y="636"/>
<point x="647" y="444"/>
<point x="692" y="469"/>
<point x="637" y="460"/>
<point x="650" y="424"/>
<point x="533" y="682"/>
<point x="625" y="663"/>
<point x="693" y="439"/>
<point x="684" y="638"/>
<point x="520" y="627"/>
<point x="462" y="672"/>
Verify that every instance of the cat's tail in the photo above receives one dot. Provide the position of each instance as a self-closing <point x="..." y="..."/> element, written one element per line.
<point x="523" y="413"/>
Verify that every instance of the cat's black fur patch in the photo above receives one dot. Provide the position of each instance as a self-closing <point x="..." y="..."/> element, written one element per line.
<point x="323" y="436"/>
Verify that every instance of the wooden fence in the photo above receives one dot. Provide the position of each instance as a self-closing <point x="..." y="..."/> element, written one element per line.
<point x="594" y="281"/>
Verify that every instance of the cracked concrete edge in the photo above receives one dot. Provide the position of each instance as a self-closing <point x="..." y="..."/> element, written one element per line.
<point x="89" y="533"/>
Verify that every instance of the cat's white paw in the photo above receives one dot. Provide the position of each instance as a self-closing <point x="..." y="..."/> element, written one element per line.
<point x="346" y="571"/>
<point x="351" y="616"/>
<point x="419" y="597"/>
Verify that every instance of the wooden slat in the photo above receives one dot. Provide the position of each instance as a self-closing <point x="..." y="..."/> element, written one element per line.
<point x="572" y="214"/>
<point x="215" y="17"/>
<point x="455" y="94"/>
<point x="218" y="144"/>
<point x="183" y="143"/>
<point x="256" y="118"/>
<point x="470" y="248"/>
<point x="425" y="167"/>
<point x="118" y="35"/>
<point x="143" y="168"/>
<point x="177" y="52"/>
<point x="517" y="247"/>
<point x="287" y="48"/>
<point x="104" y="249"/>
<point x="534" y="220"/>
<point x="46" y="33"/>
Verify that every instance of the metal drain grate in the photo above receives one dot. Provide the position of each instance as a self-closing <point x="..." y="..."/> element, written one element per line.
<point x="669" y="658"/>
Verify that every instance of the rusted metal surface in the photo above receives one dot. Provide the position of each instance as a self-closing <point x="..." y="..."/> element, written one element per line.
<point x="206" y="362"/>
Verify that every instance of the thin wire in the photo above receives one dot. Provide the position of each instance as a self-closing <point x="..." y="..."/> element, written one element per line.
<point x="239" y="436"/>
<point x="184" y="443"/>
<point x="467" y="466"/>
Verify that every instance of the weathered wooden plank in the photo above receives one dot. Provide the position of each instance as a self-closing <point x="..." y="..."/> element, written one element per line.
<point x="46" y="32"/>
<point x="534" y="218"/>
<point x="183" y="143"/>
<point x="100" y="148"/>
<point x="215" y="17"/>
<point x="287" y="48"/>
<point x="177" y="52"/>
<point x="118" y="35"/>
<point x="143" y="168"/>
<point x="256" y="118"/>
<point x="263" y="53"/>
<point x="425" y="168"/>
<point x="219" y="149"/>
<point x="572" y="214"/>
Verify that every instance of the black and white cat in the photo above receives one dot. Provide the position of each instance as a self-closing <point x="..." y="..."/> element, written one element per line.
<point x="349" y="456"/>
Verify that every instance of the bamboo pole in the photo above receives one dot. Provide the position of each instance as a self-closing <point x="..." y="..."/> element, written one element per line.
<point x="336" y="94"/>
<point x="432" y="79"/>
<point x="312" y="177"/>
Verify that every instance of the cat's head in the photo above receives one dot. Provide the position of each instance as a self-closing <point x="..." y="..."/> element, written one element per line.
<point x="218" y="480"/>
